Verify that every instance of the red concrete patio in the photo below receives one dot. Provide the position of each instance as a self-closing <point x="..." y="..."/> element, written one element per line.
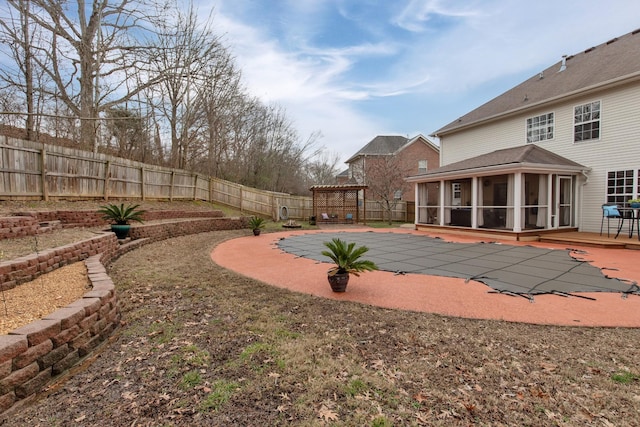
<point x="260" y="258"/>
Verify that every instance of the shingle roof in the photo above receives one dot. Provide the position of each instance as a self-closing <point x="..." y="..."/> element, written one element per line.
<point x="381" y="145"/>
<point x="525" y="154"/>
<point x="595" y="67"/>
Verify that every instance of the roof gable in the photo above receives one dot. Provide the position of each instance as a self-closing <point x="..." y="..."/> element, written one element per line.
<point x="385" y="145"/>
<point x="381" y="145"/>
<point x="617" y="59"/>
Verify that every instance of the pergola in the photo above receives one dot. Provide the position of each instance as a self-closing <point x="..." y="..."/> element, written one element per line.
<point x="340" y="203"/>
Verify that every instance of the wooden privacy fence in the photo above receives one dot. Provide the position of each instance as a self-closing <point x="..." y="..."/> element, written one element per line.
<point x="32" y="170"/>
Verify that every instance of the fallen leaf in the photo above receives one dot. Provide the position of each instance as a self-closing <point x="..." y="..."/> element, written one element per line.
<point x="548" y="367"/>
<point x="470" y="407"/>
<point x="421" y="397"/>
<point x="327" y="414"/>
<point x="129" y="395"/>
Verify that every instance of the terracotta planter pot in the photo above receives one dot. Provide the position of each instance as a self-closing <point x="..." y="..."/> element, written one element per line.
<point x="338" y="282"/>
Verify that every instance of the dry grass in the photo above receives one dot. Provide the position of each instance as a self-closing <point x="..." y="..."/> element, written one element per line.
<point x="206" y="347"/>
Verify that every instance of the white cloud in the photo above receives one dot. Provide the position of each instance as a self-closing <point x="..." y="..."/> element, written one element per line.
<point x="415" y="16"/>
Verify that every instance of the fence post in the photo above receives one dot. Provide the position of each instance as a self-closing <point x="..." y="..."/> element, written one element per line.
<point x="142" y="178"/>
<point x="43" y="168"/>
<point x="210" y="189"/>
<point x="195" y="186"/>
<point x="274" y="208"/>
<point x="171" y="187"/>
<point x="107" y="175"/>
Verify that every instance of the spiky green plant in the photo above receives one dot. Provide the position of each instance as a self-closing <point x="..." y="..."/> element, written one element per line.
<point x="122" y="214"/>
<point x="346" y="256"/>
<point x="256" y="223"/>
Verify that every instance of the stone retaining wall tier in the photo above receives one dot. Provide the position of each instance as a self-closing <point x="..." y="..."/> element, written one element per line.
<point x="31" y="223"/>
<point x="34" y="355"/>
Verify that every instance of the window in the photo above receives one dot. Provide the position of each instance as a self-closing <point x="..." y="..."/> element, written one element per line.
<point x="540" y="128"/>
<point x="422" y="166"/>
<point x="620" y="186"/>
<point x="586" y="124"/>
<point x="397" y="195"/>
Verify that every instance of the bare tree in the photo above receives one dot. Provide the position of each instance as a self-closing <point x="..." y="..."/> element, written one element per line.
<point x="126" y="134"/>
<point x="385" y="181"/>
<point x="183" y="55"/>
<point x="220" y="92"/>
<point x="323" y="168"/>
<point x="17" y="33"/>
<point x="85" y="50"/>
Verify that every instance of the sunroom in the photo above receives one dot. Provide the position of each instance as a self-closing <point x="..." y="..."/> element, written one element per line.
<point x="514" y="190"/>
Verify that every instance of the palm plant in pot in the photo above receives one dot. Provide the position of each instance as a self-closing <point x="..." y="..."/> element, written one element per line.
<point x="120" y="217"/>
<point x="256" y="224"/>
<point x="346" y="257"/>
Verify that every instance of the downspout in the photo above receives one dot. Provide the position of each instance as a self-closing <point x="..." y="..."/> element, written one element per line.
<point x="586" y="181"/>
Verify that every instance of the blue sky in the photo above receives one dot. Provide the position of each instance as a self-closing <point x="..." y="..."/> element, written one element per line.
<point x="354" y="69"/>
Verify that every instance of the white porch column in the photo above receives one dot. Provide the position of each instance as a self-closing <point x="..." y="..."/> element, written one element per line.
<point x="551" y="203"/>
<point x="474" y="202"/>
<point x="517" y="202"/>
<point x="417" y="202"/>
<point x="441" y="205"/>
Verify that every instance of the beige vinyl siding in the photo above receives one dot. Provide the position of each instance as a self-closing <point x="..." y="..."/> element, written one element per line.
<point x="464" y="145"/>
<point x="617" y="149"/>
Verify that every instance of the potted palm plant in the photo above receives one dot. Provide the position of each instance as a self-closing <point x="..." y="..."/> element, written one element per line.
<point x="120" y="217"/>
<point x="346" y="257"/>
<point x="256" y="224"/>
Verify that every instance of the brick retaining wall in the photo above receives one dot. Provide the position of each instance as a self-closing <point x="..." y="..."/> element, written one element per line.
<point x="25" y="269"/>
<point x="33" y="355"/>
<point x="166" y="230"/>
<point x="28" y="223"/>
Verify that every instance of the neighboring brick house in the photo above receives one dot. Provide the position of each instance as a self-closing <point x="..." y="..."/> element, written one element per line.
<point x="391" y="153"/>
<point x="547" y="153"/>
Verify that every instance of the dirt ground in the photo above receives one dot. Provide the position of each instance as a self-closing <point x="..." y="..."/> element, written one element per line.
<point x="203" y="346"/>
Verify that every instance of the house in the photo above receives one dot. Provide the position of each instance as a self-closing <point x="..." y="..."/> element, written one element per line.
<point x="391" y="158"/>
<point x="546" y="154"/>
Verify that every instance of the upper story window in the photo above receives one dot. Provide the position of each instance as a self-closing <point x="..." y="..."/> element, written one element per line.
<point x="540" y="128"/>
<point x="422" y="166"/>
<point x="586" y="125"/>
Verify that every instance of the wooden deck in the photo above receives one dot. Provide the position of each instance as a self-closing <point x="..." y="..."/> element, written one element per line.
<point x="594" y="239"/>
<point x="623" y="241"/>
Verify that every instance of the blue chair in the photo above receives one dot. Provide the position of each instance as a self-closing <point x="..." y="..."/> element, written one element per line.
<point x="608" y="212"/>
<point x="349" y="218"/>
